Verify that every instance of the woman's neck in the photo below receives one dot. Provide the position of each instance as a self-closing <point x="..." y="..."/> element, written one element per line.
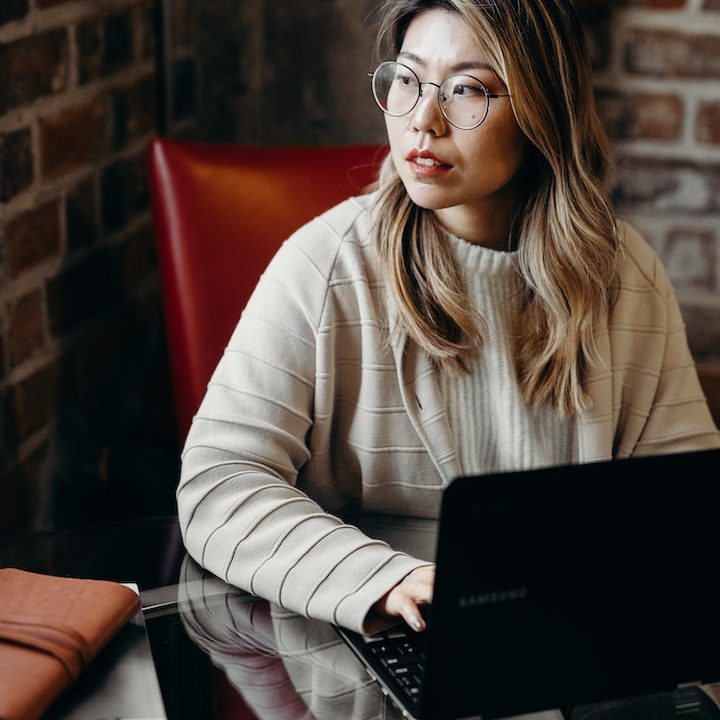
<point x="489" y="232"/>
<point x="484" y="223"/>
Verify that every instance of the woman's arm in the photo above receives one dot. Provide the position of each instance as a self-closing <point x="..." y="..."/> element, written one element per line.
<point x="662" y="405"/>
<point x="241" y="514"/>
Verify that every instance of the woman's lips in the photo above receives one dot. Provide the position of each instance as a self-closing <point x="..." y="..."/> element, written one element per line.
<point x="426" y="164"/>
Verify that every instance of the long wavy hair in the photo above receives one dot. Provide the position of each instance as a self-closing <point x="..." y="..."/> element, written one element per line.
<point x="563" y="227"/>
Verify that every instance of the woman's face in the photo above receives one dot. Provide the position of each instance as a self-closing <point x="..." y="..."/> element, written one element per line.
<point x="468" y="177"/>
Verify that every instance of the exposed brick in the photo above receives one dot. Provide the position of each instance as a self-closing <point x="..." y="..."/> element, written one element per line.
<point x="124" y="192"/>
<point x="26" y="318"/>
<point x="87" y="303"/>
<point x="118" y="48"/>
<point x="184" y="22"/>
<point x="708" y="123"/>
<point x="96" y="354"/>
<point x="81" y="290"/>
<point x="74" y="137"/>
<point x="139" y="261"/>
<point x="12" y="10"/>
<point x="664" y="53"/>
<point x="667" y="187"/>
<point x="33" y="403"/>
<point x="22" y="490"/>
<point x="90" y="44"/>
<point x="147" y="31"/>
<point x="81" y="216"/>
<point x="641" y="116"/>
<point x="183" y="89"/>
<point x="32" y="238"/>
<point x="134" y="111"/>
<point x="16" y="162"/>
<point x="32" y="67"/>
<point x="105" y="45"/>
<point x="690" y="258"/>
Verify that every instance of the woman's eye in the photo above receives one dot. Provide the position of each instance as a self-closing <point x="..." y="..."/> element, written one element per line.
<point x="467" y="90"/>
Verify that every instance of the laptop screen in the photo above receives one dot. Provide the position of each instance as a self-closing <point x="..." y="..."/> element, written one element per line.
<point x="566" y="586"/>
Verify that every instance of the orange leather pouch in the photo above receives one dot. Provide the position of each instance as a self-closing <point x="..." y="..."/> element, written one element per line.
<point x="51" y="628"/>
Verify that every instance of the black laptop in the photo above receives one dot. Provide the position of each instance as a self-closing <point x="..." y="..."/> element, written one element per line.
<point x="561" y="587"/>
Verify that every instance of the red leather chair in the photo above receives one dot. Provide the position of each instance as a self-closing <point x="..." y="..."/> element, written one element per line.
<point x="220" y="212"/>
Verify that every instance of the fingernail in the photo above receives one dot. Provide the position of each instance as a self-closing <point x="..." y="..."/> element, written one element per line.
<point x="417" y="623"/>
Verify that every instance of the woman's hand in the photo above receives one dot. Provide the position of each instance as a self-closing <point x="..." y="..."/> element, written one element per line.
<point x="405" y="599"/>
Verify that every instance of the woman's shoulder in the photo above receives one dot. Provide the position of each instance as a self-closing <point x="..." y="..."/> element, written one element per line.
<point x="638" y="263"/>
<point x="346" y="224"/>
<point x="336" y="243"/>
<point x="644" y="293"/>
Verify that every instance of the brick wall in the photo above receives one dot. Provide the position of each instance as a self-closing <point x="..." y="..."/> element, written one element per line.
<point x="82" y="365"/>
<point x="658" y="80"/>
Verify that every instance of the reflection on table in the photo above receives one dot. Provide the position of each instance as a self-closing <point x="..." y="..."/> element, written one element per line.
<point x="221" y="654"/>
<point x="284" y="665"/>
<point x="288" y="667"/>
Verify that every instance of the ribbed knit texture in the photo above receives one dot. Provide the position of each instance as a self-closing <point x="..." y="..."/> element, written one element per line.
<point x="312" y="409"/>
<point x="495" y="429"/>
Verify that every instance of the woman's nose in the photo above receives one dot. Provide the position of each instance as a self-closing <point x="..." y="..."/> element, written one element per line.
<point x="426" y="116"/>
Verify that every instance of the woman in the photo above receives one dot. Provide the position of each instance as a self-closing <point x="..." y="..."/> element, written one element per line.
<point x="481" y="310"/>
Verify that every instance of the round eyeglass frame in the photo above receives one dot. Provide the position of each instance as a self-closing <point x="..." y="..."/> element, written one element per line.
<point x="387" y="63"/>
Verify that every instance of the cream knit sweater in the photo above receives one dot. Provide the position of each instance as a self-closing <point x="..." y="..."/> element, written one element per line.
<point x="494" y="428"/>
<point x="311" y="409"/>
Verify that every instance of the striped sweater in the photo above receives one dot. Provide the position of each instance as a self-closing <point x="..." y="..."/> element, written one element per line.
<point x="311" y="410"/>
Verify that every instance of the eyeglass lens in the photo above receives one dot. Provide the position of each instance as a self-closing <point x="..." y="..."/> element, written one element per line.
<point x="463" y="99"/>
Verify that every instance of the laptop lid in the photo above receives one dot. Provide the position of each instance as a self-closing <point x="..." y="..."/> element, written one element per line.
<point x="566" y="586"/>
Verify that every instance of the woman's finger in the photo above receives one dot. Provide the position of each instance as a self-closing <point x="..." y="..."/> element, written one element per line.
<point x="406" y="598"/>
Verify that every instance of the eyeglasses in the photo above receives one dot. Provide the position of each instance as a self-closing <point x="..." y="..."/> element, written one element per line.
<point x="464" y="100"/>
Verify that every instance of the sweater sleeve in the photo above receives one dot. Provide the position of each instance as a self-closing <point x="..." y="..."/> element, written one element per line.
<point x="241" y="513"/>
<point x="677" y="417"/>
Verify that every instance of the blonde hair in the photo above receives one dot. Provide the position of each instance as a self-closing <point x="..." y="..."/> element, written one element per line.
<point x="563" y="228"/>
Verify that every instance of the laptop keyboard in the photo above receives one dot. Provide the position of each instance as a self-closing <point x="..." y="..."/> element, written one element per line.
<point x="401" y="652"/>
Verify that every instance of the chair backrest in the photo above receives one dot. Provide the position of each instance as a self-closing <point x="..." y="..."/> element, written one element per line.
<point x="220" y="212"/>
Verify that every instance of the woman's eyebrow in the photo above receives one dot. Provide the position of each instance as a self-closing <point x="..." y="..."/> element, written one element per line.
<point x="458" y="67"/>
